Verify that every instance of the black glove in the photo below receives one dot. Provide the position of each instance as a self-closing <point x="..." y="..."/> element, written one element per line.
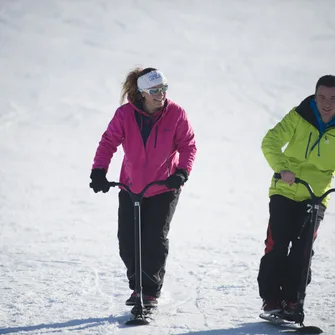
<point x="177" y="179"/>
<point x="99" y="181"/>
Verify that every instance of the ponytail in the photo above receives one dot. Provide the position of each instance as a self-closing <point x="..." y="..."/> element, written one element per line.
<point x="129" y="87"/>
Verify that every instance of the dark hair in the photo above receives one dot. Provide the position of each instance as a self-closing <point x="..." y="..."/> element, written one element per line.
<point x="327" y="80"/>
<point x="129" y="87"/>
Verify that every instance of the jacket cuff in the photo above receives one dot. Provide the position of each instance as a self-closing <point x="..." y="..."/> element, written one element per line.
<point x="98" y="172"/>
<point x="183" y="173"/>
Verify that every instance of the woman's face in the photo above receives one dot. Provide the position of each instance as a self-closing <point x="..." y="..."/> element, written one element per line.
<point x="154" y="97"/>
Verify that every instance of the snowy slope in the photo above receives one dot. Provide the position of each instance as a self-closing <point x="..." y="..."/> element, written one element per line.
<point x="237" y="67"/>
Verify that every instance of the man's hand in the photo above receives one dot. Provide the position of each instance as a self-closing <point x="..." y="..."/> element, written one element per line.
<point x="287" y="176"/>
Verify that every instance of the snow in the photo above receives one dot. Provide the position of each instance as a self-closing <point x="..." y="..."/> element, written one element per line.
<point x="237" y="67"/>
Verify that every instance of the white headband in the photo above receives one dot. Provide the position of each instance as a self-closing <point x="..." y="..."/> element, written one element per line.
<point x="151" y="79"/>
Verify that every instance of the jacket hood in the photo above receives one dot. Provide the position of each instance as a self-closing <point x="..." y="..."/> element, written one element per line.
<point x="306" y="112"/>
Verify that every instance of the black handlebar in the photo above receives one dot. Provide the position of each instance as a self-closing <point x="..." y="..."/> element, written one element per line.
<point x="314" y="197"/>
<point x="297" y="181"/>
<point x="127" y="188"/>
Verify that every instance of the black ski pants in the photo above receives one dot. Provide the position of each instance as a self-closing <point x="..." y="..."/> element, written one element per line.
<point x="156" y="215"/>
<point x="281" y="267"/>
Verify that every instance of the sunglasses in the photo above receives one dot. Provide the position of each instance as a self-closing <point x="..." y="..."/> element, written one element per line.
<point x="154" y="91"/>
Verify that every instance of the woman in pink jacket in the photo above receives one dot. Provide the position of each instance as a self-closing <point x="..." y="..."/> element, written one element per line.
<point x="158" y="144"/>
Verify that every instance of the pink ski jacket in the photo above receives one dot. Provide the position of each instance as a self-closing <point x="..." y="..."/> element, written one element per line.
<point x="170" y="145"/>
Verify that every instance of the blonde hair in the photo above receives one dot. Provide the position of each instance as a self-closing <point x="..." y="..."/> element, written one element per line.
<point x="129" y="87"/>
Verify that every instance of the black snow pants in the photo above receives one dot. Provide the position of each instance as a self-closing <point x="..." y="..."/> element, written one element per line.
<point x="156" y="215"/>
<point x="281" y="267"/>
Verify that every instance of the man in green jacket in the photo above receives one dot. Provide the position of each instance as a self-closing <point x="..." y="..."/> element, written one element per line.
<point x="308" y="132"/>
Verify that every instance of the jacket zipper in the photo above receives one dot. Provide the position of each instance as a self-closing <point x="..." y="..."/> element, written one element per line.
<point x="309" y="141"/>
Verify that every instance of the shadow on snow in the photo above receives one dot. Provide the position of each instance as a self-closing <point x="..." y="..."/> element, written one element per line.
<point x="72" y="325"/>
<point x="251" y="328"/>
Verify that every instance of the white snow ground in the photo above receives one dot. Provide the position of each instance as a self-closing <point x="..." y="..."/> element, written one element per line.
<point x="237" y="67"/>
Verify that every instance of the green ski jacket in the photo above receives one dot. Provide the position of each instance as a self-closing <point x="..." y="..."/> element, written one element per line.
<point x="309" y="154"/>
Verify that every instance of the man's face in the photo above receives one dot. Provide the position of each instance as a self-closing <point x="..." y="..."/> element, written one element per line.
<point x="325" y="101"/>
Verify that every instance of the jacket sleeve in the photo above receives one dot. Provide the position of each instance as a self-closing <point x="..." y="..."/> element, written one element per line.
<point x="276" y="138"/>
<point x="185" y="143"/>
<point x="109" y="142"/>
